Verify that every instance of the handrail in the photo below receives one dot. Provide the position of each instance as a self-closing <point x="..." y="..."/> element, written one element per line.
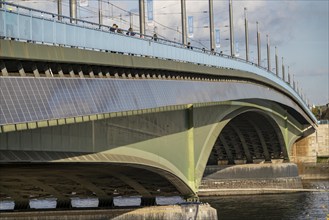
<point x="104" y="28"/>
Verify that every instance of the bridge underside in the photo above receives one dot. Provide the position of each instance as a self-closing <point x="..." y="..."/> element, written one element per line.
<point x="247" y="138"/>
<point x="22" y="182"/>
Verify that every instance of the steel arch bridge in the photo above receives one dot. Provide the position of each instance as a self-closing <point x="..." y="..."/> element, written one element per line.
<point x="154" y="112"/>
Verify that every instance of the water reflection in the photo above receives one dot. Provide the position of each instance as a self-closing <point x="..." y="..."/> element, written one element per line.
<point x="304" y="205"/>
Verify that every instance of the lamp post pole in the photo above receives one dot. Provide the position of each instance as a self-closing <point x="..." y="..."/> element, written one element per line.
<point x="100" y="15"/>
<point x="59" y="9"/>
<point x="289" y="80"/>
<point x="276" y="62"/>
<point x="141" y="17"/>
<point x="246" y="34"/>
<point x="211" y="25"/>
<point x="283" y="73"/>
<point x="258" y="45"/>
<point x="268" y="53"/>
<point x="73" y="11"/>
<point x="231" y="28"/>
<point x="184" y="29"/>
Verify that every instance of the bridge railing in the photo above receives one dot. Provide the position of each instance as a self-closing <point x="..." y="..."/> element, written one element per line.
<point x="26" y="24"/>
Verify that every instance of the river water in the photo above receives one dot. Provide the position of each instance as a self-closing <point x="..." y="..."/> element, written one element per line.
<point x="303" y="205"/>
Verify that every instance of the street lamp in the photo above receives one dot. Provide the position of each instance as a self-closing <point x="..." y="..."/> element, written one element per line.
<point x="141" y="17"/>
<point x="211" y="25"/>
<point x="258" y="44"/>
<point x="231" y="28"/>
<point x="276" y="62"/>
<point x="73" y="11"/>
<point x="268" y="53"/>
<point x="246" y="34"/>
<point x="183" y="12"/>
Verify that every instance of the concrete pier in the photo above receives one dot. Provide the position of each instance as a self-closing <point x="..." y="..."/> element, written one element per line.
<point x="250" y="179"/>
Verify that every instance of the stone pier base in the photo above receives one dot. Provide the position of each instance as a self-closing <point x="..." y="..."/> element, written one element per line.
<point x="250" y="179"/>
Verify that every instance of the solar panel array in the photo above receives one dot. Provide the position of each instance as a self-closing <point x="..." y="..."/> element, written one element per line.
<point x="28" y="99"/>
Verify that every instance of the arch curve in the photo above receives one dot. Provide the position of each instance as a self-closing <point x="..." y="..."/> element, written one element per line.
<point x="250" y="135"/>
<point x="264" y="142"/>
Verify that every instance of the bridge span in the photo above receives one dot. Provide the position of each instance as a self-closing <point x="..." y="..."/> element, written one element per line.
<point x="81" y="104"/>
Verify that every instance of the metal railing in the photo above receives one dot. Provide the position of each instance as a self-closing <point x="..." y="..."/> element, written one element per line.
<point x="31" y="25"/>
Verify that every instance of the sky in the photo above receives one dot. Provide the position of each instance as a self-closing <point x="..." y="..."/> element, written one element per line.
<point x="298" y="28"/>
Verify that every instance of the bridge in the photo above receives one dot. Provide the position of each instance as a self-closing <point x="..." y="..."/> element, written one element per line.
<point x="86" y="111"/>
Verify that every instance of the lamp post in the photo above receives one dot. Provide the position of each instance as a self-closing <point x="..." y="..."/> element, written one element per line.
<point x="183" y="13"/>
<point x="231" y="28"/>
<point x="100" y="16"/>
<point x="211" y="25"/>
<point x="246" y="34"/>
<point x="276" y="62"/>
<point x="258" y="45"/>
<point x="283" y="74"/>
<point x="268" y="53"/>
<point x="141" y="17"/>
<point x="59" y="9"/>
<point x="73" y="11"/>
<point x="289" y="80"/>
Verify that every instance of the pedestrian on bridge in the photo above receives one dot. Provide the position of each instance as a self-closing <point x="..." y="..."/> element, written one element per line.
<point x="155" y="37"/>
<point x="119" y="31"/>
<point x="189" y="46"/>
<point x="114" y="28"/>
<point x="130" y="32"/>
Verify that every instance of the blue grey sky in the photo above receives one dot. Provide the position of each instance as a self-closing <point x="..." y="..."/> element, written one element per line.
<point x="299" y="28"/>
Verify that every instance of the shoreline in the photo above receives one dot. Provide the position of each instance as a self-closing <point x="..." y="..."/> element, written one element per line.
<point x="252" y="191"/>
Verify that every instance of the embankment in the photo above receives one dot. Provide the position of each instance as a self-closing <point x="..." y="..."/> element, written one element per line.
<point x="250" y="179"/>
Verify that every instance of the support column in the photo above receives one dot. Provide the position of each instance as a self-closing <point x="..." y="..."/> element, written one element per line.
<point x="183" y="18"/>
<point x="231" y="28"/>
<point x="190" y="146"/>
<point x="141" y="17"/>
<point x="246" y="34"/>
<point x="73" y="11"/>
<point x="285" y="141"/>
<point x="211" y="25"/>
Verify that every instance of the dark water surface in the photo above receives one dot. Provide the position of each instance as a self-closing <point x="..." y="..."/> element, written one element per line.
<point x="303" y="205"/>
